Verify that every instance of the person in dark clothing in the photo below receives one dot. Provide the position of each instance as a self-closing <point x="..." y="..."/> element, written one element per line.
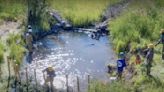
<point x="144" y="51"/>
<point x="149" y="58"/>
<point x="161" y="41"/>
<point x="121" y="64"/>
<point x="29" y="43"/>
<point x="50" y="75"/>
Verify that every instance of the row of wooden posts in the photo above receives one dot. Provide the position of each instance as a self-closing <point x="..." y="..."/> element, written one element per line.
<point x="18" y="78"/>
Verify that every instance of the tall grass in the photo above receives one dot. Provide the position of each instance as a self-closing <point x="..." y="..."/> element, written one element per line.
<point x="12" y="10"/>
<point x="82" y="12"/>
<point x="16" y="48"/>
<point x="140" y="23"/>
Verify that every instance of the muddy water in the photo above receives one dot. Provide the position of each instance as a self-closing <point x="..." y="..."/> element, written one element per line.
<point x="73" y="54"/>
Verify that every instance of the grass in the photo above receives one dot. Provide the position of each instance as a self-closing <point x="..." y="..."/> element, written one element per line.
<point x="82" y="13"/>
<point x="139" y="24"/>
<point x="113" y="87"/>
<point x="16" y="49"/>
<point x="12" y="10"/>
<point x="139" y="83"/>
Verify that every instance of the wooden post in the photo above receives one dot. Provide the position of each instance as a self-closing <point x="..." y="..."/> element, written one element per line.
<point x="0" y="72"/>
<point x="67" y="83"/>
<point x="78" y="84"/>
<point x="8" y="63"/>
<point x="26" y="79"/>
<point x="88" y="82"/>
<point x="35" y="79"/>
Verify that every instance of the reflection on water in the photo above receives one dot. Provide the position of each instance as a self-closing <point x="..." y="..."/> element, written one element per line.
<point x="73" y="54"/>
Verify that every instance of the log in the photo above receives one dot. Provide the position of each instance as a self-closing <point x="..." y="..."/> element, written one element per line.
<point x="64" y="24"/>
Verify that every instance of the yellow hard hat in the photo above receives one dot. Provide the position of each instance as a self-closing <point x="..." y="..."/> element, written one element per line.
<point x="50" y="68"/>
<point x="162" y="31"/>
<point x="151" y="45"/>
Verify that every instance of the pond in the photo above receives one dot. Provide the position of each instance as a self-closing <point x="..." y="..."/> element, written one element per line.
<point x="73" y="54"/>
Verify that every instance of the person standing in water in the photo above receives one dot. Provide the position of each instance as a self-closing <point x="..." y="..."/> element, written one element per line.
<point x="29" y="43"/>
<point x="50" y="74"/>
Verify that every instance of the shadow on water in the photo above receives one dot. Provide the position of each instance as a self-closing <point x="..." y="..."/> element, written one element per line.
<point x="73" y="54"/>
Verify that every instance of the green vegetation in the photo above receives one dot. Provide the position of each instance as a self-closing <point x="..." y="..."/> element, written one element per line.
<point x="16" y="49"/>
<point x="82" y="13"/>
<point x="139" y="24"/>
<point x="1" y="52"/>
<point x="12" y="10"/>
<point x="38" y="15"/>
<point x="1" y="56"/>
<point x="114" y="87"/>
<point x="138" y="84"/>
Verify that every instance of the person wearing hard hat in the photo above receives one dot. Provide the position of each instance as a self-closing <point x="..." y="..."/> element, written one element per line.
<point x="149" y="58"/>
<point x="29" y="43"/>
<point x="161" y="41"/>
<point x="50" y="74"/>
<point x="121" y="64"/>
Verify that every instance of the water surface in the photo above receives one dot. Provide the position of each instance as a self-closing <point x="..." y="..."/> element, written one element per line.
<point x="73" y="54"/>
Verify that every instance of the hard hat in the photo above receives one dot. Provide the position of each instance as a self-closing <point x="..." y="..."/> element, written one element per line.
<point x="50" y="68"/>
<point x="151" y="46"/>
<point x="162" y="31"/>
